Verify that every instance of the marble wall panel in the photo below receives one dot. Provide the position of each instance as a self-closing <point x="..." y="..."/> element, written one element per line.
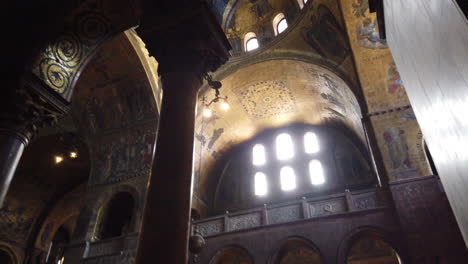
<point x="244" y="221"/>
<point x="285" y="214"/>
<point x="211" y="227"/>
<point x="429" y="39"/>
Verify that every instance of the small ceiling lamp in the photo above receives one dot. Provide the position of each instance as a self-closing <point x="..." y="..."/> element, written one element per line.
<point x="225" y="106"/>
<point x="216" y="85"/>
<point x="58" y="159"/>
<point x="207" y="113"/>
<point x="73" y="154"/>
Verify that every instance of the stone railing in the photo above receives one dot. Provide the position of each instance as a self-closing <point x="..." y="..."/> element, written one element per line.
<point x="114" y="250"/>
<point x="293" y="211"/>
<point x="112" y="246"/>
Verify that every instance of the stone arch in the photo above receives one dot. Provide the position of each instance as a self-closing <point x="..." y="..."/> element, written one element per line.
<point x="118" y="216"/>
<point x="7" y="256"/>
<point x="370" y="232"/>
<point x="115" y="105"/>
<point x="132" y="210"/>
<point x="60" y="64"/>
<point x="232" y="255"/>
<point x="296" y="249"/>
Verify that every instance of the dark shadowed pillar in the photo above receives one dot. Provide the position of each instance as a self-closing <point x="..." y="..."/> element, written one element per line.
<point x="12" y="144"/>
<point x="186" y="49"/>
<point x="24" y="107"/>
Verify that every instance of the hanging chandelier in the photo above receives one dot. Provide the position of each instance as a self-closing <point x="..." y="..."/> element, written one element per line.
<point x="208" y="106"/>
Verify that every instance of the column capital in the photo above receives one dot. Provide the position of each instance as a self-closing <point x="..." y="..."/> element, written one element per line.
<point x="190" y="40"/>
<point x="29" y="106"/>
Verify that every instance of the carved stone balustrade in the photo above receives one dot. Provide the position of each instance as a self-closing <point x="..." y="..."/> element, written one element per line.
<point x="114" y="250"/>
<point x="343" y="203"/>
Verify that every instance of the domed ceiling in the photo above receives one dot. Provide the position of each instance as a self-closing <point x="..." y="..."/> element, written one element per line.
<point x="272" y="94"/>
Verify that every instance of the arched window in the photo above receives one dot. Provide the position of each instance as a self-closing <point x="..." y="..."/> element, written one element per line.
<point x="250" y="42"/>
<point x="279" y="24"/>
<point x="261" y="185"/>
<point x="301" y="3"/>
<point x="288" y="179"/>
<point x="311" y="144"/>
<point x="298" y="251"/>
<point x="232" y="255"/>
<point x="284" y="147"/>
<point x="118" y="216"/>
<point x="258" y="154"/>
<point x="316" y="172"/>
<point x="370" y="249"/>
<point x="286" y="163"/>
<point x="320" y="160"/>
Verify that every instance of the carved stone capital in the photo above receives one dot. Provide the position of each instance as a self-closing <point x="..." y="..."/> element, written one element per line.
<point x="192" y="42"/>
<point x="25" y="109"/>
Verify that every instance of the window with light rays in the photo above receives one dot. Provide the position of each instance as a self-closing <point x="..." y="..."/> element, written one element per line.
<point x="316" y="172"/>
<point x="279" y="24"/>
<point x="252" y="44"/>
<point x="288" y="179"/>
<point x="284" y="147"/>
<point x="289" y="161"/>
<point x="311" y="144"/>
<point x="282" y="26"/>
<point x="261" y="185"/>
<point x="258" y="155"/>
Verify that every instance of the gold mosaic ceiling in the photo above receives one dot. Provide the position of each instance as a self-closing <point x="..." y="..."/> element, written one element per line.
<point x="273" y="94"/>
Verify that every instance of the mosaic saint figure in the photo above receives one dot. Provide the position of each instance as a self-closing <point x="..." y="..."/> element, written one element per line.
<point x="395" y="84"/>
<point x="397" y="148"/>
<point x="360" y="8"/>
<point x="367" y="34"/>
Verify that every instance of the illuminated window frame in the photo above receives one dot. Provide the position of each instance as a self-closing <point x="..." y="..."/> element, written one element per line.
<point x="284" y="147"/>
<point x="249" y="38"/>
<point x="279" y="19"/>
<point x="260" y="184"/>
<point x="301" y="3"/>
<point x="283" y="150"/>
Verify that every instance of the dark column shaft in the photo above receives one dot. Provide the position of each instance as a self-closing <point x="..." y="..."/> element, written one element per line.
<point x="11" y="148"/>
<point x="165" y="228"/>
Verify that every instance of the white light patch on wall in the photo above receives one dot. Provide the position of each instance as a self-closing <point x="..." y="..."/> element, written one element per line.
<point x="258" y="155"/>
<point x="261" y="185"/>
<point x="311" y="144"/>
<point x="316" y="172"/>
<point x="288" y="179"/>
<point x="284" y="147"/>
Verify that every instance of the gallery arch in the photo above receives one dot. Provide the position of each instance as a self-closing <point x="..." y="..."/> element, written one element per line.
<point x="118" y="216"/>
<point x="6" y="257"/>
<point x="372" y="249"/>
<point x="232" y="255"/>
<point x="298" y="251"/>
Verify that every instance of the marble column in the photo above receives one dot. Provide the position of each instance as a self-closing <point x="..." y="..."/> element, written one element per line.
<point x="168" y="199"/>
<point x="12" y="144"/>
<point x="185" y="52"/>
<point x="25" y="106"/>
